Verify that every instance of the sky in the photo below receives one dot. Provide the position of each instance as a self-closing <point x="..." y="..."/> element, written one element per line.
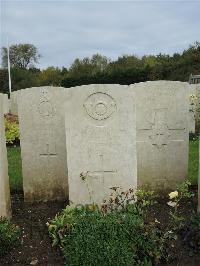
<point x="65" y="30"/>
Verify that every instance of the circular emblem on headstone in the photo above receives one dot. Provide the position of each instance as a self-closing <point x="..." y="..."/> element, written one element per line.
<point x="45" y="108"/>
<point x="100" y="106"/>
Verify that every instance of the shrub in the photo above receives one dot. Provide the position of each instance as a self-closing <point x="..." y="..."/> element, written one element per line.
<point x="9" y="236"/>
<point x="12" y="129"/>
<point x="117" y="236"/>
<point x="176" y="197"/>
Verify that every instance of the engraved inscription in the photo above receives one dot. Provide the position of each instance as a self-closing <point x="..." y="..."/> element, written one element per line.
<point x="100" y="106"/>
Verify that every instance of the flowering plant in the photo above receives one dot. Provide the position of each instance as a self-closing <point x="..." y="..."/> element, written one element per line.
<point x="175" y="198"/>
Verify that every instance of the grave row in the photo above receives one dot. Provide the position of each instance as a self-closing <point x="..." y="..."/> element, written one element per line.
<point x="79" y="142"/>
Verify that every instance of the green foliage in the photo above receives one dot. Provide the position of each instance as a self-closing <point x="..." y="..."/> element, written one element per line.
<point x="126" y="69"/>
<point x="9" y="236"/>
<point x="22" y="55"/>
<point x="12" y="131"/>
<point x="193" y="161"/>
<point x="135" y="201"/>
<point x="118" y="236"/>
<point x="51" y="76"/>
<point x="24" y="78"/>
<point x="176" y="197"/>
<point x="184" y="192"/>
<point x="15" y="168"/>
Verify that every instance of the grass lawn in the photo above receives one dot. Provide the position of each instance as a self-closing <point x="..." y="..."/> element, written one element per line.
<point x="15" y="172"/>
<point x="193" y="161"/>
<point x="15" y="168"/>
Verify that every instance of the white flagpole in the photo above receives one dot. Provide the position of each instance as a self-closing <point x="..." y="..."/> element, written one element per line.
<point x="9" y="76"/>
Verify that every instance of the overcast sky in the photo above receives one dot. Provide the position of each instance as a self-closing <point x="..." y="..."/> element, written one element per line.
<point x="65" y="30"/>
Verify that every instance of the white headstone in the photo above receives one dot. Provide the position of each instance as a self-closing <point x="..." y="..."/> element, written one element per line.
<point x="162" y="133"/>
<point x="101" y="141"/>
<point x="5" y="104"/>
<point x="5" y="206"/>
<point x="14" y="102"/>
<point x="42" y="139"/>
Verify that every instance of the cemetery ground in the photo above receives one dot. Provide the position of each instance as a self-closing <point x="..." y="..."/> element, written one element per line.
<point x="36" y="247"/>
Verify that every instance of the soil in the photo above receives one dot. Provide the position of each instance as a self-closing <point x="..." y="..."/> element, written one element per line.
<point x="36" y="248"/>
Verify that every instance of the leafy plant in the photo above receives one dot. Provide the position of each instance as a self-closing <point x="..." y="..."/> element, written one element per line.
<point x="175" y="197"/>
<point x="9" y="236"/>
<point x="115" y="234"/>
<point x="136" y="201"/>
<point x="12" y="130"/>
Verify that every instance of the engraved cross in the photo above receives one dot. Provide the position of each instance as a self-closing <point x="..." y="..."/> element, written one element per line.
<point x="48" y="153"/>
<point x="102" y="172"/>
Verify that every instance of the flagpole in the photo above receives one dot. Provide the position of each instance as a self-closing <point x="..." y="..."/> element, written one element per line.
<point x="9" y="76"/>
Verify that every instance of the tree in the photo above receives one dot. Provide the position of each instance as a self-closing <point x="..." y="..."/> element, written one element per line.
<point x="24" y="78"/>
<point x="3" y="81"/>
<point x="88" y="66"/>
<point x="21" y="56"/>
<point x="51" y="76"/>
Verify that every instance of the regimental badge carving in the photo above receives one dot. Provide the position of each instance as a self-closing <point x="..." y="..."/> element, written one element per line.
<point x="100" y="106"/>
<point x="45" y="107"/>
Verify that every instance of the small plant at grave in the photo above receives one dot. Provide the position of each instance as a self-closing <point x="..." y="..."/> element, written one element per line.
<point x="12" y="129"/>
<point x="116" y="235"/>
<point x="175" y="198"/>
<point x="193" y="136"/>
<point x="9" y="236"/>
<point x="136" y="201"/>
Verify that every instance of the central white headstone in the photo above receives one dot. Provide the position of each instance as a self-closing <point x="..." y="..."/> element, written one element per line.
<point x="5" y="206"/>
<point x="101" y="141"/>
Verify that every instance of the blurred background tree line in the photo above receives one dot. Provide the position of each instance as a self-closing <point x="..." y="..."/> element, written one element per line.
<point x="127" y="69"/>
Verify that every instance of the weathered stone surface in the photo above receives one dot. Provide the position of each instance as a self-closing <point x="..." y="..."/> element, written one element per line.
<point x="101" y="141"/>
<point x="42" y="138"/>
<point x="162" y="133"/>
<point x="5" y="207"/>
<point x="5" y="103"/>
<point x="14" y="102"/>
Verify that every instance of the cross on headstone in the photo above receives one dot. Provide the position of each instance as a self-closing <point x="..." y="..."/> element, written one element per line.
<point x="160" y="131"/>
<point x="100" y="173"/>
<point x="48" y="153"/>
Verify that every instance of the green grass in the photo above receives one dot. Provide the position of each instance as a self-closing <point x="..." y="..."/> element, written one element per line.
<point x="193" y="161"/>
<point x="15" y="168"/>
<point x="15" y="172"/>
